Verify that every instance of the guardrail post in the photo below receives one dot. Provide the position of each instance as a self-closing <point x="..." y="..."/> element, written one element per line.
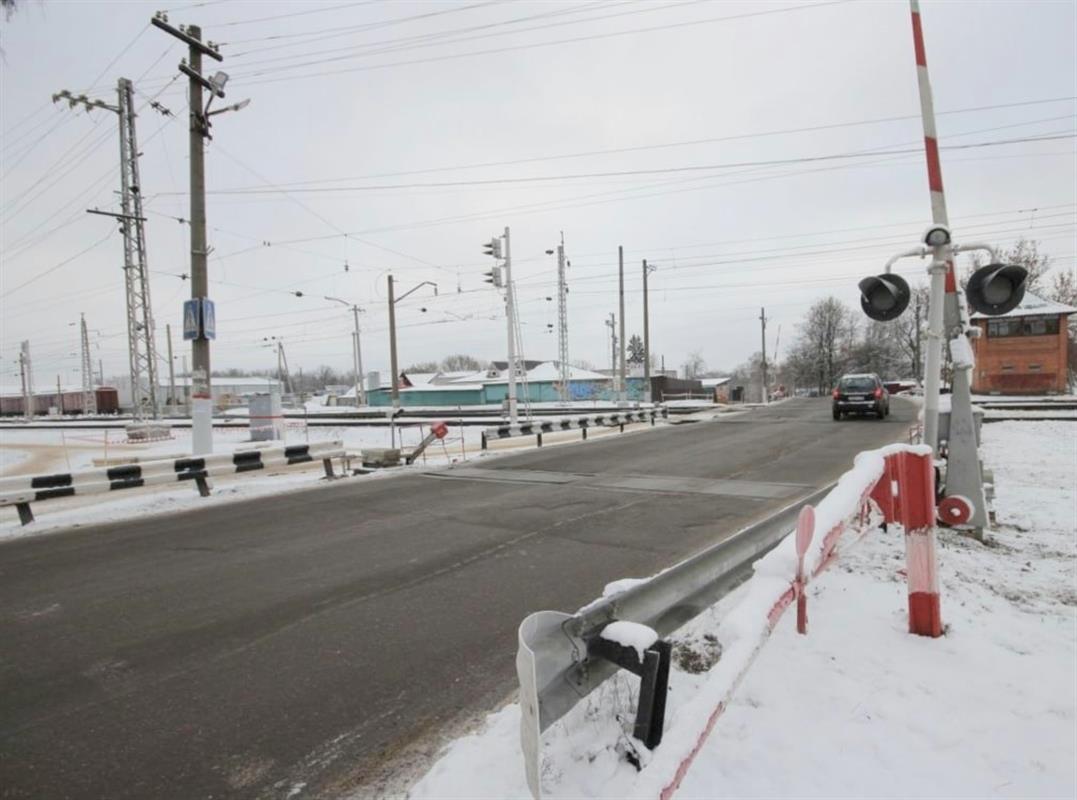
<point x="483" y="440"/>
<point x="653" y="672"/>
<point x="584" y="432"/>
<point x="622" y="427"/>
<point x="916" y="489"/>
<point x="328" y="464"/>
<point x="26" y="516"/>
<point x="538" y="438"/>
<point x="203" y="485"/>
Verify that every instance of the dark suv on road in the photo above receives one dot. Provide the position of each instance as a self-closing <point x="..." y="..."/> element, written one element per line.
<point x="861" y="394"/>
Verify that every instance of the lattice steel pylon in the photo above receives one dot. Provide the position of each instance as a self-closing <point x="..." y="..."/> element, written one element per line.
<point x="140" y="329"/>
<point x="562" y="323"/>
<point x="142" y="351"/>
<point x="89" y="397"/>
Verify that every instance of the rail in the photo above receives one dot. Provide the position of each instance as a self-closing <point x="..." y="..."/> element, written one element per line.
<point x="21" y="491"/>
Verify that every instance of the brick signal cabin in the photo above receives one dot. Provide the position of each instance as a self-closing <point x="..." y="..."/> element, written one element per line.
<point x="1024" y="351"/>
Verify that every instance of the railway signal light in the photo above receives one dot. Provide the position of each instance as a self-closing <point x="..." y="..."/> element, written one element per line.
<point x="996" y="288"/>
<point x="492" y="248"/>
<point x="494" y="277"/>
<point x="884" y="297"/>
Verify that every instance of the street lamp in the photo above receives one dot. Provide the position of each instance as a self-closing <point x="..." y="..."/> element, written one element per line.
<point x="360" y="391"/>
<point x="392" y="332"/>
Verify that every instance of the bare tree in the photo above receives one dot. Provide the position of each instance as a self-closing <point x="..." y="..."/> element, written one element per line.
<point x="825" y="344"/>
<point x="694" y="366"/>
<point x="909" y="332"/>
<point x="461" y="362"/>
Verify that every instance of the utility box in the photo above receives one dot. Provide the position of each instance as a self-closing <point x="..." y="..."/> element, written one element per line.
<point x="266" y="418"/>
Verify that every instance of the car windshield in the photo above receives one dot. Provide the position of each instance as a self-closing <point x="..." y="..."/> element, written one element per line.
<point x="858" y="384"/>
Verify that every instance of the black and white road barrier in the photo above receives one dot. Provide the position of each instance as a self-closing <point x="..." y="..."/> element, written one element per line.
<point x="25" y="489"/>
<point x="537" y="428"/>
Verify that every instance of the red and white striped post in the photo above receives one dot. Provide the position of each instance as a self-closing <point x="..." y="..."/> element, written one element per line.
<point x="916" y="482"/>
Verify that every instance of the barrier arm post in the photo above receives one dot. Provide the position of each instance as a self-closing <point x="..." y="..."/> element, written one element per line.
<point x="916" y="482"/>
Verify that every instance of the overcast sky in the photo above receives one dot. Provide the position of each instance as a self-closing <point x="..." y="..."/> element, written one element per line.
<point x="402" y="135"/>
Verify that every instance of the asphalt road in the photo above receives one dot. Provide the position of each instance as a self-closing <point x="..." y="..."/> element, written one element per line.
<point x="320" y="642"/>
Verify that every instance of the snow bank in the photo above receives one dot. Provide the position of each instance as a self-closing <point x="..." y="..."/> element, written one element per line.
<point x="869" y="711"/>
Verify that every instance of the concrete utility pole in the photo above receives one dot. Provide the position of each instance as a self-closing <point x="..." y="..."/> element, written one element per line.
<point x="89" y="397"/>
<point x="393" y="300"/>
<point x="763" y="323"/>
<point x="562" y="323"/>
<point x="171" y="373"/>
<point x="621" y="295"/>
<point x="27" y="374"/>
<point x="611" y="323"/>
<point x="392" y="345"/>
<point x="357" y="352"/>
<point x="142" y="351"/>
<point x="59" y="396"/>
<point x="201" y="389"/>
<point x="360" y="397"/>
<point x="510" y="312"/>
<point x="646" y="336"/>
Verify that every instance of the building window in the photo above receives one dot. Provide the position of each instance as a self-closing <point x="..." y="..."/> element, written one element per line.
<point x="1007" y="367"/>
<point x="1022" y="326"/>
<point x="1035" y="367"/>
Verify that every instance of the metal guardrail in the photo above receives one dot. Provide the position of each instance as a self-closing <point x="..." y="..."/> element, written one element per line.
<point x="22" y="490"/>
<point x="568" y="672"/>
<point x="562" y="658"/>
<point x="582" y="424"/>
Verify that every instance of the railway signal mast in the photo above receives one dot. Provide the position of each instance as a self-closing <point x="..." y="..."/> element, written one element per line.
<point x="501" y="277"/>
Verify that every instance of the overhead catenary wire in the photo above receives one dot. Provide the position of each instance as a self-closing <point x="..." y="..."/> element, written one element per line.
<point x="440" y="38"/>
<point x="518" y="48"/>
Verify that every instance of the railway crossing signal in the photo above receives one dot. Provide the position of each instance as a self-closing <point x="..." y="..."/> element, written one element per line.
<point x="997" y="288"/>
<point x="884" y="297"/>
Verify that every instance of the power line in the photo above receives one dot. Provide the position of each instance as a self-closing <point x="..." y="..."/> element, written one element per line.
<point x="348" y="30"/>
<point x="292" y="14"/>
<point x="440" y="38"/>
<point x="576" y="39"/>
<point x="55" y="267"/>
<point x="685" y="143"/>
<point x="658" y="171"/>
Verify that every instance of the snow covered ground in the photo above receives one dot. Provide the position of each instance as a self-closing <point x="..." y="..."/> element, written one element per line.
<point x="859" y="708"/>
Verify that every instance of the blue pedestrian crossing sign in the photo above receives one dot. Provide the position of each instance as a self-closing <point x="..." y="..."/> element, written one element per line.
<point x="199" y="319"/>
<point x="209" y="319"/>
<point x="190" y="319"/>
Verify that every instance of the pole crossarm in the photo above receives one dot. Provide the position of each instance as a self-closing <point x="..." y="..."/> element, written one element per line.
<point x="916" y="252"/>
<point x="160" y="20"/>
<point x="415" y="289"/>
